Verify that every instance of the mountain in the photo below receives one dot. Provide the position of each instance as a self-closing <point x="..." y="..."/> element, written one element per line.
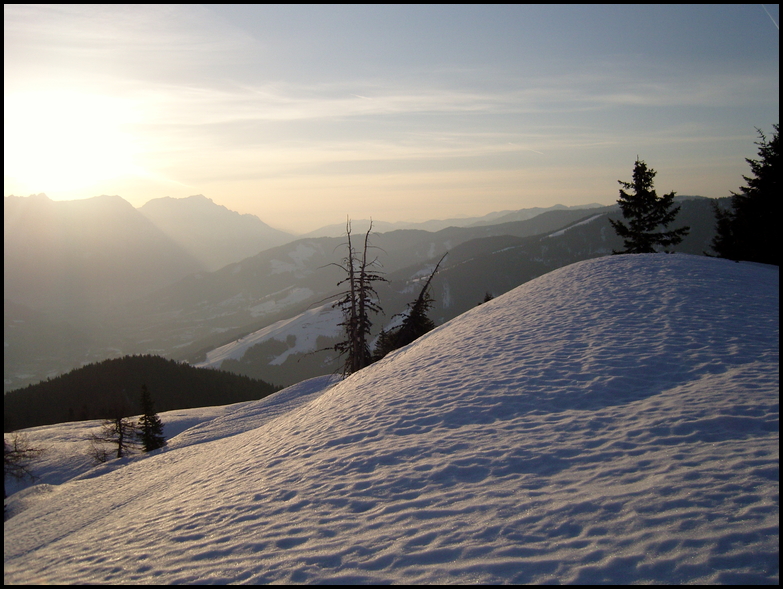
<point x="207" y="309"/>
<point x="71" y="267"/>
<point x="81" y="257"/>
<point x="211" y="233"/>
<point x="614" y="421"/>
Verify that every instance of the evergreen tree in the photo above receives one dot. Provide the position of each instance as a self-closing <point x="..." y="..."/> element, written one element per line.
<point x="750" y="230"/>
<point x="487" y="297"/>
<point x="645" y="212"/>
<point x="150" y="429"/>
<point x="356" y="303"/>
<point x="415" y="324"/>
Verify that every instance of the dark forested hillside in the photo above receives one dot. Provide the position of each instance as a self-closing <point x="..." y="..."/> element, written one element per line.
<point x="98" y="390"/>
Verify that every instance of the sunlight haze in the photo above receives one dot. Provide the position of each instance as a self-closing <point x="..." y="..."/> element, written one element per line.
<point x="301" y="115"/>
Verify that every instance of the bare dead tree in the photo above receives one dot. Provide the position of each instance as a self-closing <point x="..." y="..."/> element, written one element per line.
<point x="357" y="302"/>
<point x="118" y="430"/>
<point x="18" y="455"/>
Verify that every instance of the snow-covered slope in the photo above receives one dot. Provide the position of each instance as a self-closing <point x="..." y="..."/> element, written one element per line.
<point x="612" y="421"/>
<point x="305" y="328"/>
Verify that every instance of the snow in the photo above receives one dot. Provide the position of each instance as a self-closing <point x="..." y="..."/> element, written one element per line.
<point x="614" y="421"/>
<point x="299" y="255"/>
<point x="306" y="327"/>
<point x="296" y="295"/>
<point x="585" y="222"/>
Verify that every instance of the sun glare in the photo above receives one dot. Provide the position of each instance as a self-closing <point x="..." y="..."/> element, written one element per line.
<point x="65" y="141"/>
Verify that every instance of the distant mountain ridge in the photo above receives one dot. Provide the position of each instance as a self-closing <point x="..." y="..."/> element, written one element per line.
<point x="81" y="256"/>
<point x="494" y="218"/>
<point x="494" y="259"/>
<point x="211" y="233"/>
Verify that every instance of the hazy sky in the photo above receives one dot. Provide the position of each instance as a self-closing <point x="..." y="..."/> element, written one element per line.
<point x="304" y="114"/>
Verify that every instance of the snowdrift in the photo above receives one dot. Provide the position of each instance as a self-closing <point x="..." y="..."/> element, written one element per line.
<point x="612" y="421"/>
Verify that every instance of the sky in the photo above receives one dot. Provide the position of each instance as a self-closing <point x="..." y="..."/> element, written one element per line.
<point x="303" y="114"/>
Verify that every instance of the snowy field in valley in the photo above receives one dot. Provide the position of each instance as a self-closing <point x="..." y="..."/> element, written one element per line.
<point x="614" y="421"/>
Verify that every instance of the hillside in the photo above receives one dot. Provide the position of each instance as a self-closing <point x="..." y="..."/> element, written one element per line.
<point x="87" y="292"/>
<point x="97" y="390"/>
<point x="614" y="421"/>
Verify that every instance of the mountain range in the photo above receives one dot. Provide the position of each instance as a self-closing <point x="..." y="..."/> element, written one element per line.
<point x="166" y="302"/>
<point x="361" y="225"/>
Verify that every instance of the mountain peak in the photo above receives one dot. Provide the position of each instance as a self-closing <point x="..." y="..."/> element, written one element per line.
<point x="213" y="233"/>
<point x="197" y="197"/>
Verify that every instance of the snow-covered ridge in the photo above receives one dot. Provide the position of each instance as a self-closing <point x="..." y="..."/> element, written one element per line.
<point x="585" y="222"/>
<point x="305" y="327"/>
<point x="612" y="421"/>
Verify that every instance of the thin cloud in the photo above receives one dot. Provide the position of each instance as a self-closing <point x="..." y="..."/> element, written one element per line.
<point x="774" y="22"/>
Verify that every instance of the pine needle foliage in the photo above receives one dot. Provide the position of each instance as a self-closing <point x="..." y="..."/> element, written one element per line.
<point x="751" y="229"/>
<point x="415" y="324"/>
<point x="150" y="427"/>
<point x="645" y="212"/>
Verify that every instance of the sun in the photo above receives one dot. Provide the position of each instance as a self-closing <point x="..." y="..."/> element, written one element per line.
<point x="63" y="141"/>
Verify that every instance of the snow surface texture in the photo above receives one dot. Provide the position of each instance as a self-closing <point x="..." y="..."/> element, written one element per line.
<point x="68" y="453"/>
<point x="612" y="421"/>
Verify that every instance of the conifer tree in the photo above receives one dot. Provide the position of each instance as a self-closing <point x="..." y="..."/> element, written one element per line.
<point x="488" y="296"/>
<point x="415" y="324"/>
<point x="645" y="212"/>
<point x="150" y="428"/>
<point x="750" y="230"/>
